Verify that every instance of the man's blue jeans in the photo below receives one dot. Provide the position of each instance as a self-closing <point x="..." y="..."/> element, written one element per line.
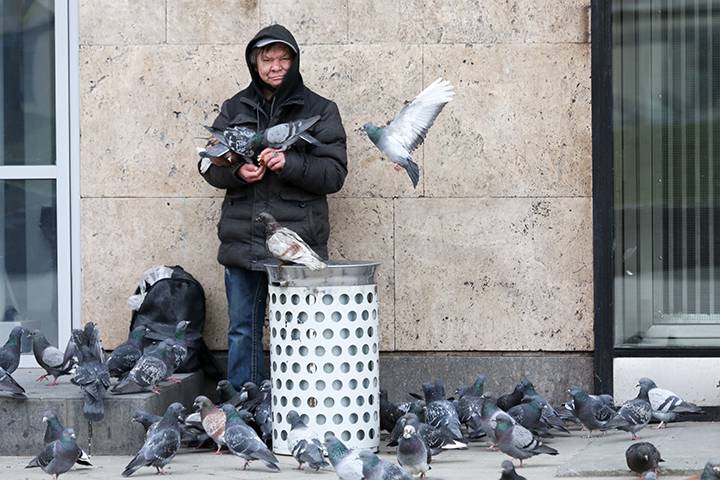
<point x="247" y="298"/>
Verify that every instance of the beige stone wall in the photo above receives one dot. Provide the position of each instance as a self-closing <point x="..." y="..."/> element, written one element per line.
<point x="492" y="252"/>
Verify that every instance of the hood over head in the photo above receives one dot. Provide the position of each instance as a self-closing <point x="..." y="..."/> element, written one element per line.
<point x="293" y="80"/>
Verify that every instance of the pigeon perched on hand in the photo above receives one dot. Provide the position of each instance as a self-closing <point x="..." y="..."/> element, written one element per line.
<point x="412" y="453"/>
<point x="161" y="446"/>
<point x="375" y="468"/>
<point x="287" y="246"/>
<point x="58" y="456"/>
<point x="508" y="471"/>
<point x="50" y="358"/>
<point x="666" y="404"/>
<point x="517" y="441"/>
<point x="151" y="369"/>
<point x="242" y="440"/>
<point x="634" y="415"/>
<point x="10" y="352"/>
<point x="642" y="457"/>
<point x="408" y="129"/>
<point x="304" y="443"/>
<point x="347" y="463"/>
<point x="213" y="420"/>
<point x="126" y="355"/>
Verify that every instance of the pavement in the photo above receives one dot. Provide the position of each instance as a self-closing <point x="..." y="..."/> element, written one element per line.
<point x="686" y="447"/>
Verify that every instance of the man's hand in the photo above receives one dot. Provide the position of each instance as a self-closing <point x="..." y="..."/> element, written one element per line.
<point x="273" y="159"/>
<point x="251" y="173"/>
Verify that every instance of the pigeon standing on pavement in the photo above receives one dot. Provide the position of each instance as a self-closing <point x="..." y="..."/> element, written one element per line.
<point x="436" y="439"/>
<point x="517" y="441"/>
<point x="161" y="446"/>
<point x="488" y="419"/>
<point x="634" y="415"/>
<point x="549" y="414"/>
<point x="126" y="355"/>
<point x="509" y="400"/>
<point x="529" y="415"/>
<point x="50" y="358"/>
<point x="666" y="404"/>
<point x="469" y="406"/>
<point x="304" y="443"/>
<point x="389" y="412"/>
<point x="8" y="384"/>
<point x="346" y="462"/>
<point x="592" y="413"/>
<point x="412" y="454"/>
<point x="439" y="411"/>
<point x="263" y="413"/>
<point x="10" y="352"/>
<point x="508" y="471"/>
<point x="642" y="457"/>
<point x="213" y="420"/>
<point x="711" y="471"/>
<point x="242" y="440"/>
<point x="228" y="394"/>
<point x="410" y="126"/>
<point x="287" y="246"/>
<point x="54" y="430"/>
<point x="58" y="456"/>
<point x="151" y="369"/>
<point x="375" y="468"/>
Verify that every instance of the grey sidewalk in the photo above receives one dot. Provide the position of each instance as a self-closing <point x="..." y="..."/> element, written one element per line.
<point x="685" y="447"/>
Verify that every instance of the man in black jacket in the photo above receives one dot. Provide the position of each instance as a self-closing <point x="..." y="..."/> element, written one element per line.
<point x="290" y="185"/>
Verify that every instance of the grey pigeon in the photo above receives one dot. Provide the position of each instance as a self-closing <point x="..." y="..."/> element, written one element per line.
<point x="304" y="443"/>
<point x="180" y="343"/>
<point x="375" y="468"/>
<point x="408" y="129"/>
<point x="591" y="411"/>
<point x="509" y="400"/>
<point x="161" y="446"/>
<point x="529" y="415"/>
<point x="517" y="441"/>
<point x="50" y="358"/>
<point x="436" y="439"/>
<point x="469" y="406"/>
<point x="508" y="471"/>
<point x="287" y="246"/>
<point x="440" y="412"/>
<point x="242" y="440"/>
<point x="151" y="369"/>
<point x="54" y="430"/>
<point x="10" y="352"/>
<point x="549" y="414"/>
<point x="634" y="415"/>
<point x="666" y="404"/>
<point x="488" y="419"/>
<point x="252" y="396"/>
<point x="213" y="420"/>
<point x="126" y="355"/>
<point x="146" y="419"/>
<point x="8" y="384"/>
<point x="58" y="456"/>
<point x="190" y="436"/>
<point x="412" y="454"/>
<point x="262" y="416"/>
<point x="347" y="463"/>
<point x="642" y="457"/>
<point x="228" y="394"/>
<point x="711" y="471"/>
<point x="389" y="412"/>
<point x="91" y="374"/>
<point x="569" y="408"/>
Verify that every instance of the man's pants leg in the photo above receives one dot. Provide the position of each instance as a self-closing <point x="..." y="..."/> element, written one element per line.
<point x="247" y="298"/>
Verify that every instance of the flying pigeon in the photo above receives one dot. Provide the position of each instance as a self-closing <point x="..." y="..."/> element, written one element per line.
<point x="91" y="374"/>
<point x="347" y="463"/>
<point x="304" y="443"/>
<point x="287" y="246"/>
<point x="161" y="446"/>
<point x="517" y="441"/>
<point x="228" y="394"/>
<point x="151" y="369"/>
<point x="53" y="431"/>
<point x="642" y="456"/>
<point x="375" y="468"/>
<point x="126" y="355"/>
<point x="213" y="420"/>
<point x="50" y="358"/>
<point x="242" y="440"/>
<point x="10" y="352"/>
<point x="439" y="411"/>
<point x="590" y="410"/>
<point x="8" y="384"/>
<point x="408" y="129"/>
<point x="412" y="453"/>
<point x="508" y="471"/>
<point x="634" y="414"/>
<point x="58" y="456"/>
<point x="666" y="404"/>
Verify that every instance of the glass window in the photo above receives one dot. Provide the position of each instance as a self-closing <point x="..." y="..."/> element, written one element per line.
<point x="666" y="134"/>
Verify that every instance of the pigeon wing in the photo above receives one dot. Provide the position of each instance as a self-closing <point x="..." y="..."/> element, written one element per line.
<point x="411" y="124"/>
<point x="663" y="400"/>
<point x="53" y="357"/>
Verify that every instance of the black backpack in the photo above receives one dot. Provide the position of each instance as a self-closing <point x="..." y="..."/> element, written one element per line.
<point x="169" y="301"/>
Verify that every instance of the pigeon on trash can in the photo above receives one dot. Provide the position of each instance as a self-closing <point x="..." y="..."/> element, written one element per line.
<point x="50" y="358"/>
<point x="161" y="446"/>
<point x="347" y="463"/>
<point x="213" y="420"/>
<point x="666" y="404"/>
<point x="304" y="443"/>
<point x="287" y="246"/>
<point x="228" y="394"/>
<point x="592" y="413"/>
<point x="634" y="415"/>
<point x="642" y="456"/>
<point x="440" y="412"/>
<point x="151" y="369"/>
<point x="126" y="355"/>
<point x="408" y="129"/>
<point x="517" y="441"/>
<point x="375" y="468"/>
<point x="10" y="352"/>
<point x="8" y="384"/>
<point x="508" y="471"/>
<point x="412" y="453"/>
<point x="53" y="431"/>
<point x="59" y="456"/>
<point x="242" y="440"/>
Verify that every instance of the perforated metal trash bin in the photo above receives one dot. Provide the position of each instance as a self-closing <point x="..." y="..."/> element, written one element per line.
<point x="324" y="351"/>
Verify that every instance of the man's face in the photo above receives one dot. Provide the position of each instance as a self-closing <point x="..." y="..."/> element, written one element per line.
<point x="274" y="63"/>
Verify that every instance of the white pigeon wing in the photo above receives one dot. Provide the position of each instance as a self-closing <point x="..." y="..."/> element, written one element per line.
<point x="663" y="400"/>
<point x="53" y="357"/>
<point x="411" y="124"/>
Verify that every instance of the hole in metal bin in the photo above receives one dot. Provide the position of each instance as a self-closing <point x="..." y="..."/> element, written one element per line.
<point x="359" y="298"/>
<point x="289" y="384"/>
<point x="337" y="384"/>
<point x="274" y="400"/>
<point x="366" y="349"/>
<point x="283" y="401"/>
<point x="328" y="368"/>
<point x="327" y="299"/>
<point x="310" y="299"/>
<point x="274" y="364"/>
<point x="319" y="351"/>
<point x="274" y="332"/>
<point x="283" y="298"/>
<point x="304" y="385"/>
<point x="360" y="400"/>
<point x="371" y="365"/>
<point x="374" y="314"/>
<point x="336" y="316"/>
<point x="274" y="298"/>
<point x="345" y="401"/>
<point x="288" y="350"/>
<point x="371" y="399"/>
<point x="304" y="418"/>
<point x="352" y="350"/>
<point x="370" y="297"/>
<point x="296" y="402"/>
<point x="359" y="332"/>
<point x="319" y="317"/>
<point x="375" y="382"/>
<point x="283" y="435"/>
<point x="360" y="434"/>
<point x="366" y="417"/>
<point x="337" y="351"/>
<point x="374" y="347"/>
<point x="288" y="317"/>
<point x="371" y="433"/>
<point x="359" y="366"/>
<point x="366" y="383"/>
<point x="329" y="402"/>
<point x="328" y="333"/>
<point x="283" y="333"/>
<point x="337" y="419"/>
<point x="275" y="434"/>
<point x="303" y="351"/>
<point x="344" y="299"/>
<point x="353" y="384"/>
<point x="311" y="368"/>
<point x="311" y="333"/>
<point x="345" y="435"/>
<point x="295" y="334"/>
<point x="278" y="316"/>
<point x="365" y="314"/>
<point x="312" y="402"/>
<point x="344" y="333"/>
<point x="302" y="317"/>
<point x="320" y="419"/>
<point x="296" y="367"/>
<point x="370" y="332"/>
<point x="352" y="315"/>
<point x="320" y="385"/>
<point x="295" y="299"/>
<point x="283" y="367"/>
<point x="353" y="418"/>
<point x="345" y="367"/>
<point x="375" y="415"/>
<point x="278" y="383"/>
<point x="278" y="418"/>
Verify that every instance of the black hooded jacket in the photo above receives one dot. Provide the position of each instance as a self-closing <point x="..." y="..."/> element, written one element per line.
<point x="296" y="196"/>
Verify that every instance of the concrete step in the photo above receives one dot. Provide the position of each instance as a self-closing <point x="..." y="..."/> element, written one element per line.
<point x="116" y="434"/>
